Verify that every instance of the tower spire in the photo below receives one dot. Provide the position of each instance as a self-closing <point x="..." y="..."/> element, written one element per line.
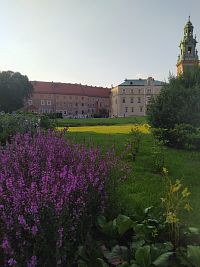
<point x="188" y="56"/>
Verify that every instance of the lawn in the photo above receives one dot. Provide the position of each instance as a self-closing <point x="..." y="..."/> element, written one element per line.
<point x="143" y="186"/>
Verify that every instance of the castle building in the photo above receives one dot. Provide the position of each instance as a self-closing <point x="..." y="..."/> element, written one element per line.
<point x="188" y="57"/>
<point x="72" y="100"/>
<point x="131" y="97"/>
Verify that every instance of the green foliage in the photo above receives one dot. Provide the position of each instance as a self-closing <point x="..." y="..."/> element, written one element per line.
<point x="134" y="141"/>
<point x="14" y="89"/>
<point x="175" y="200"/>
<point x="11" y="124"/>
<point x="103" y="113"/>
<point x="178" y="102"/>
<point x="181" y="136"/>
<point x="127" y="247"/>
<point x="158" y="156"/>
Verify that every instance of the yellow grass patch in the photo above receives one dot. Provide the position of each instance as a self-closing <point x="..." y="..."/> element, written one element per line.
<point x="111" y="129"/>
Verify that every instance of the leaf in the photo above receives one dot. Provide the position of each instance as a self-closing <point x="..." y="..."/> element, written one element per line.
<point x="82" y="252"/>
<point x="102" y="263"/>
<point x="143" y="256"/>
<point x="117" y="256"/>
<point x="194" y="230"/>
<point x="147" y="210"/>
<point x="124" y="223"/>
<point x="162" y="259"/>
<point x="193" y="254"/>
<point x="82" y="263"/>
<point x="137" y="244"/>
<point x="109" y="228"/>
<point x="124" y="264"/>
<point x="101" y="221"/>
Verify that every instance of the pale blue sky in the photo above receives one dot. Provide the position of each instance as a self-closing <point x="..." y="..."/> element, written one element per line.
<point x="94" y="42"/>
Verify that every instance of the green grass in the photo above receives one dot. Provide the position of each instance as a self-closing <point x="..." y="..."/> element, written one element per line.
<point x="99" y="121"/>
<point x="143" y="186"/>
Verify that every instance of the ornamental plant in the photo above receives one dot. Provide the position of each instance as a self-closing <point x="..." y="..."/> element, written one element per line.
<point x="51" y="192"/>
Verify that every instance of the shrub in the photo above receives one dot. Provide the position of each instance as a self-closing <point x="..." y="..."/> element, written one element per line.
<point x="50" y="193"/>
<point x="134" y="141"/>
<point x="10" y="124"/>
<point x="177" y="103"/>
<point x="181" y="136"/>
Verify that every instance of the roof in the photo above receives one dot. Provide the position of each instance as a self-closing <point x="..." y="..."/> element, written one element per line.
<point x="140" y="82"/>
<point x="69" y="89"/>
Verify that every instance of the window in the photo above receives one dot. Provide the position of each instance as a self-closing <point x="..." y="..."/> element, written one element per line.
<point x="148" y="91"/>
<point x="123" y="100"/>
<point x="82" y="104"/>
<point x="123" y="91"/>
<point x="126" y="109"/>
<point x="139" y="99"/>
<point x="48" y="102"/>
<point x="131" y="83"/>
<point x="131" y="99"/>
<point x="42" y="102"/>
<point x="30" y="102"/>
<point x="131" y="91"/>
<point x="82" y="111"/>
<point x="148" y="98"/>
<point x="141" y="108"/>
<point x="132" y="109"/>
<point x="189" y="50"/>
<point x="76" y="104"/>
<point x="139" y="90"/>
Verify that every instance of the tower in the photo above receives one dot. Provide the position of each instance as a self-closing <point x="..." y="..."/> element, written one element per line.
<point x="188" y="57"/>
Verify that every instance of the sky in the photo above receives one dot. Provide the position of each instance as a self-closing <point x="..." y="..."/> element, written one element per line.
<point x="94" y="42"/>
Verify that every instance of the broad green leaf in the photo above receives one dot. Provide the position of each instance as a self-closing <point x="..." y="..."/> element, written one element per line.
<point x="147" y="210"/>
<point x="194" y="230"/>
<point x="102" y="263"/>
<point x="137" y="244"/>
<point x="101" y="220"/>
<point x="82" y="252"/>
<point x="109" y="229"/>
<point x="193" y="254"/>
<point x="124" y="264"/>
<point x="143" y="256"/>
<point x="82" y="263"/>
<point x="162" y="260"/>
<point x="124" y="223"/>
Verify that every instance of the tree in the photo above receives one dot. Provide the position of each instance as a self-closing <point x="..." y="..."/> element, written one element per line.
<point x="14" y="89"/>
<point x="178" y="102"/>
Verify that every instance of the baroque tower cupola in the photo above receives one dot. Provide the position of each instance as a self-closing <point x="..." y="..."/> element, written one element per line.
<point x="188" y="57"/>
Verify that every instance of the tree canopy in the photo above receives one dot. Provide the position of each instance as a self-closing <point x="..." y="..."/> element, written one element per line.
<point x="14" y="89"/>
<point x="178" y="102"/>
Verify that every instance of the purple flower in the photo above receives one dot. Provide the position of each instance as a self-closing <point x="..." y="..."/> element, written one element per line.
<point x="32" y="262"/>
<point x="12" y="262"/>
<point x="5" y="244"/>
<point x="34" y="230"/>
<point x="47" y="186"/>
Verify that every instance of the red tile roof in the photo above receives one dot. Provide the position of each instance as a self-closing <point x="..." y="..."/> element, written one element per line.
<point x="69" y="89"/>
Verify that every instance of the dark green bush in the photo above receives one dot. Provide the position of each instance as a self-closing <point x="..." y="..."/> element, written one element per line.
<point x="11" y="124"/>
<point x="177" y="103"/>
<point x="183" y="136"/>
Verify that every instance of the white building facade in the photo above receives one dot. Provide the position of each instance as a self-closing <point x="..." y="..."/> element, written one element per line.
<point x="132" y="96"/>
